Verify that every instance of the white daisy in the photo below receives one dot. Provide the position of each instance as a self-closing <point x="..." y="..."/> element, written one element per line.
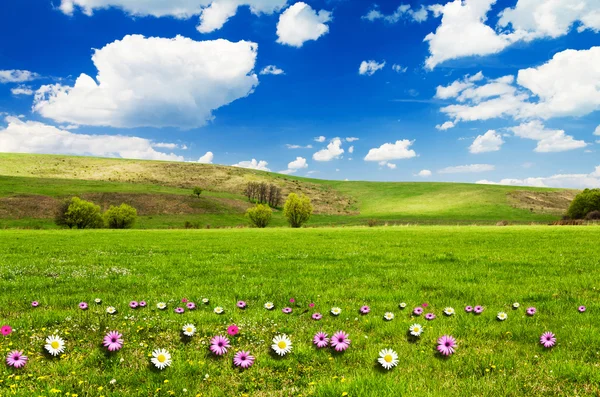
<point x="402" y="305"/>
<point x="189" y="330"/>
<point x="98" y="301"/>
<point x="269" y="305"/>
<point x="336" y="311"/>
<point x="219" y="310"/>
<point x="282" y="345"/>
<point x="449" y="311"/>
<point x="502" y="316"/>
<point x="388" y="358"/>
<point x="415" y="330"/>
<point x="516" y="305"/>
<point x="161" y="358"/>
<point x="161" y="305"/>
<point x="111" y="310"/>
<point x="389" y="316"/>
<point x="55" y="345"/>
<point x="205" y="301"/>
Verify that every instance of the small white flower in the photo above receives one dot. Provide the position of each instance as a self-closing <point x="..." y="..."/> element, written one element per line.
<point x="388" y="358"/>
<point x="205" y="301"/>
<point x="502" y="316"/>
<point x="336" y="311"/>
<point x="269" y="305"/>
<point x="55" y="345"/>
<point x="389" y="316"/>
<point x="161" y="358"/>
<point x="449" y="311"/>
<point x="113" y="381"/>
<point x="206" y="377"/>
<point x="516" y="305"/>
<point x="161" y="305"/>
<point x="111" y="310"/>
<point x="402" y="305"/>
<point x="282" y="345"/>
<point x="98" y="301"/>
<point x="415" y="330"/>
<point x="189" y="330"/>
<point x="219" y="310"/>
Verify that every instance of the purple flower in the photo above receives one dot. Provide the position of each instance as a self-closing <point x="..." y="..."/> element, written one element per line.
<point x="133" y="304"/>
<point x="317" y="316"/>
<point x="243" y="359"/>
<point x="365" y="310"/>
<point x="35" y="303"/>
<point x="581" y="309"/>
<point x="83" y="306"/>
<point x="219" y="345"/>
<point x="311" y="305"/>
<point x="16" y="359"/>
<point x="233" y="330"/>
<point x="340" y="341"/>
<point x="190" y="305"/>
<point x="446" y="345"/>
<point x="531" y="311"/>
<point x="425" y="304"/>
<point x="287" y="310"/>
<point x="429" y="316"/>
<point x="469" y="309"/>
<point x="417" y="311"/>
<point x="6" y="330"/>
<point x="143" y="304"/>
<point x="292" y="300"/>
<point x="179" y="310"/>
<point x="548" y="339"/>
<point x="184" y="300"/>
<point x="321" y="340"/>
<point x="113" y="341"/>
<point x="478" y="309"/>
<point x="241" y="304"/>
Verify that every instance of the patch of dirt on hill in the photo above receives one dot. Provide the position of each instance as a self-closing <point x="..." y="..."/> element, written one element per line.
<point x="547" y="202"/>
<point x="28" y="206"/>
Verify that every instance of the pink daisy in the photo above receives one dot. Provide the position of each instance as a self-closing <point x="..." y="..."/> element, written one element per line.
<point x="243" y="359"/>
<point x="190" y="305"/>
<point x="429" y="316"/>
<point x="287" y="310"/>
<point x="184" y="300"/>
<point x="425" y="304"/>
<point x="113" y="341"/>
<point x="321" y="340"/>
<point x="469" y="309"/>
<point x="35" y="303"/>
<point x="446" y="345"/>
<point x="83" y="306"/>
<point x="365" y="309"/>
<point x="16" y="359"/>
<point x="133" y="304"/>
<point x="417" y="311"/>
<point x="292" y="300"/>
<point x="581" y="309"/>
<point x="340" y="341"/>
<point x="531" y="311"/>
<point x="311" y="305"/>
<point x="233" y="330"/>
<point x="317" y="316"/>
<point x="478" y="309"/>
<point x="6" y="330"/>
<point x="241" y="304"/>
<point x="548" y="339"/>
<point x="179" y="310"/>
<point x="143" y="304"/>
<point x="219" y="345"/>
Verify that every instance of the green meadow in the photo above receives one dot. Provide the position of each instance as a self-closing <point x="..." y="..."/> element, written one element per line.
<point x="554" y="269"/>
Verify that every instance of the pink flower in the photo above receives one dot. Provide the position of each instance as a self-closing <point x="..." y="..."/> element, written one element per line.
<point x="429" y="316"/>
<point x="83" y="306"/>
<point x="16" y="359"/>
<point x="425" y="304"/>
<point x="133" y="304"/>
<point x="184" y="300"/>
<point x="317" y="316"/>
<point x="243" y="359"/>
<point x="179" y="310"/>
<point x="292" y="300"/>
<point x="446" y="345"/>
<point x="190" y="305"/>
<point x="219" y="345"/>
<point x="241" y="304"/>
<point x="469" y="309"/>
<point x="233" y="330"/>
<point x="113" y="341"/>
<point x="531" y="311"/>
<point x="581" y="309"/>
<point x="143" y="304"/>
<point x="311" y="305"/>
<point x="340" y="341"/>
<point x="548" y="339"/>
<point x="321" y="340"/>
<point x="6" y="330"/>
<point x="287" y="310"/>
<point x="35" y="303"/>
<point x="478" y="309"/>
<point x="417" y="311"/>
<point x="365" y="309"/>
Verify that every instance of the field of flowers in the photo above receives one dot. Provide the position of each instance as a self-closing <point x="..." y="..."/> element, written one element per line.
<point x="313" y="312"/>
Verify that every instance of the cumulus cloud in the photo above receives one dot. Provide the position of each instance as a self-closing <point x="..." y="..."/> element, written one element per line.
<point x="392" y="151"/>
<point x="491" y="141"/>
<point x="351" y="150"/>
<point x="424" y="173"/>
<point x="548" y="140"/>
<point x="289" y="146"/>
<point x="207" y="158"/>
<point x="253" y="164"/>
<point x="351" y="139"/>
<point x="404" y="11"/>
<point x="446" y="126"/>
<point x="574" y="181"/>
<point x="300" y="23"/>
<point x="17" y="76"/>
<point x="399" y="68"/>
<point x="471" y="168"/>
<point x="332" y="151"/>
<point x="320" y="139"/>
<point x="370" y="67"/>
<point x="597" y="131"/>
<point x="22" y="90"/>
<point x="272" y="69"/>
<point x="34" y="137"/>
<point x="295" y="165"/>
<point x="154" y="82"/>
<point x="391" y="166"/>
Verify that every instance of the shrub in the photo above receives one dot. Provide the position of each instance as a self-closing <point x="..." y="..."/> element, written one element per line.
<point x="79" y="214"/>
<point x="297" y="210"/>
<point x="502" y="223"/>
<point x="372" y="222"/>
<point x="593" y="216"/>
<point x="191" y="225"/>
<point x="584" y="203"/>
<point x="260" y="216"/>
<point x="121" y="217"/>
<point x="198" y="191"/>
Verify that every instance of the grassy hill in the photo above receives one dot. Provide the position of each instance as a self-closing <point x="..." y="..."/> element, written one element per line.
<point x="31" y="186"/>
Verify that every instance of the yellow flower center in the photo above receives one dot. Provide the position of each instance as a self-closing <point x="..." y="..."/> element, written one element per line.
<point x="188" y="329"/>
<point x="417" y="329"/>
<point x="161" y="358"/>
<point x="388" y="358"/>
<point x="282" y="345"/>
<point x="55" y="345"/>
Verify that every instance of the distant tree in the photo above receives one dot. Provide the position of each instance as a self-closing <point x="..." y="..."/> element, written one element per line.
<point x="584" y="203"/>
<point x="263" y="193"/>
<point x="260" y="216"/>
<point x="198" y="191"/>
<point x="121" y="217"/>
<point x="297" y="210"/>
<point x="60" y="217"/>
<point x="79" y="214"/>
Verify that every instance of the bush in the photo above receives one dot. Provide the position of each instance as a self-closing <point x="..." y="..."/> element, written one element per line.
<point x="191" y="225"/>
<point x="593" y="216"/>
<point x="198" y="191"/>
<point x="121" y="217"/>
<point x="372" y="222"/>
<point x="584" y="203"/>
<point x="79" y="214"/>
<point x="260" y="216"/>
<point x="297" y="210"/>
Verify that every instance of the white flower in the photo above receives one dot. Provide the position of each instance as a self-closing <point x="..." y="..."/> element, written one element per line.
<point x="219" y="310"/>
<point x="449" y="311"/>
<point x="161" y="305"/>
<point x="205" y="301"/>
<point x="336" y="311"/>
<point x="111" y="310"/>
<point x="389" y="316"/>
<point x="269" y="305"/>
<point x="502" y="316"/>
<point x="113" y="381"/>
<point x="415" y="330"/>
<point x="55" y="345"/>
<point x="98" y="301"/>
<point x="402" y="305"/>
<point x="516" y="305"/>
<point x="388" y="358"/>
<point x="282" y="345"/>
<point x="161" y="358"/>
<point x="189" y="330"/>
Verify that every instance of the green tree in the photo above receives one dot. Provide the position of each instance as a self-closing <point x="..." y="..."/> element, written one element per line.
<point x="121" y="217"/>
<point x="297" y="210"/>
<point x="584" y="203"/>
<point x="79" y="214"/>
<point x="260" y="216"/>
<point x="198" y="191"/>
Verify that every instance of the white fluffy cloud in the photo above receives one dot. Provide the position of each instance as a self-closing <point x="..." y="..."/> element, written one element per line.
<point x="35" y="137"/>
<point x="370" y="67"/>
<point x="471" y="168"/>
<point x="253" y="164"/>
<point x="332" y="151"/>
<point x="597" y="131"/>
<point x="403" y="11"/>
<point x="22" y="90"/>
<point x="290" y="146"/>
<point x="351" y="149"/>
<point x="574" y="181"/>
<point x="491" y="141"/>
<point x="207" y="158"/>
<point x="154" y="82"/>
<point x="272" y="69"/>
<point x="213" y="13"/>
<point x="399" y="68"/>
<point x="446" y="126"/>
<point x="295" y="165"/>
<point x="548" y="140"/>
<point x="392" y="151"/>
<point x="17" y="76"/>
<point x="424" y="173"/>
<point x="320" y="139"/>
<point x="351" y="139"/>
<point x="391" y="166"/>
<point x="300" y="23"/>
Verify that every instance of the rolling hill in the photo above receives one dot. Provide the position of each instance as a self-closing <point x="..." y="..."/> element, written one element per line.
<point x="31" y="186"/>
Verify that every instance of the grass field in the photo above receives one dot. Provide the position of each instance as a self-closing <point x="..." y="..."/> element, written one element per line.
<point x="552" y="268"/>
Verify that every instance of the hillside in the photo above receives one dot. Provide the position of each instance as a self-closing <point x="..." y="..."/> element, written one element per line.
<point x="31" y="186"/>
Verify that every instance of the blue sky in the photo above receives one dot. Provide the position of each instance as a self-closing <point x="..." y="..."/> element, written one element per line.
<point x="504" y="91"/>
